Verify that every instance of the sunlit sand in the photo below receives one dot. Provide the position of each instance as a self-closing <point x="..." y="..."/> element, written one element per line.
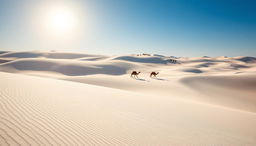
<point x="62" y="98"/>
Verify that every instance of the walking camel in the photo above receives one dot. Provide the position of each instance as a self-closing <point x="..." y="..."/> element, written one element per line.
<point x="173" y="61"/>
<point x="135" y="74"/>
<point x="154" y="74"/>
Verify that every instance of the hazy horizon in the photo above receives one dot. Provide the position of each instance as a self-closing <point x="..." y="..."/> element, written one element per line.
<point x="178" y="28"/>
<point x="114" y="54"/>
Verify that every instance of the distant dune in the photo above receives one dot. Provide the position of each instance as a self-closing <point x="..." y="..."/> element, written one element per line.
<point x="144" y="59"/>
<point x="247" y="59"/>
<point x="193" y="101"/>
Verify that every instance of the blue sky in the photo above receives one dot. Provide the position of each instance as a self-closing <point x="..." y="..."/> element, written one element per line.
<point x="169" y="27"/>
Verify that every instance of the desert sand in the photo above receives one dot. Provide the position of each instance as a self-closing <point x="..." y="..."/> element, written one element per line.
<point x="63" y="98"/>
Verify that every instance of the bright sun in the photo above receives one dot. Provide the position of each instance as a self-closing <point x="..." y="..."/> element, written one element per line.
<point x="60" y="21"/>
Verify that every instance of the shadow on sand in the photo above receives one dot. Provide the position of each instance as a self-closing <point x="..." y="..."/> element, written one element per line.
<point x="160" y="79"/>
<point x="140" y="79"/>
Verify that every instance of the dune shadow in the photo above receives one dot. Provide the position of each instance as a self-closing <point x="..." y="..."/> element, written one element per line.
<point x="2" y="52"/>
<point x="192" y="70"/>
<point x="247" y="59"/>
<point x="207" y="64"/>
<point x="4" y="61"/>
<point x="66" y="69"/>
<point x="150" y="59"/>
<point x="238" y="66"/>
<point x="22" y="55"/>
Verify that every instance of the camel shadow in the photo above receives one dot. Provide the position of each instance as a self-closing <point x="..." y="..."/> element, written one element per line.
<point x="160" y="79"/>
<point x="140" y="79"/>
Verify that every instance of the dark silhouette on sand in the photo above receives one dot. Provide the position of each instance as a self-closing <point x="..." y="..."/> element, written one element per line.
<point x="173" y="61"/>
<point x="154" y="74"/>
<point x="135" y="74"/>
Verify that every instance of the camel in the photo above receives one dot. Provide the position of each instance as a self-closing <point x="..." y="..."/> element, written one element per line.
<point x="154" y="74"/>
<point x="135" y="74"/>
<point x="173" y="60"/>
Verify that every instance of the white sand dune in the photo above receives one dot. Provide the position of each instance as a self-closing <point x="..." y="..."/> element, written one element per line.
<point x="195" y="101"/>
<point x="36" y="54"/>
<point x="41" y="111"/>
<point x="233" y="91"/>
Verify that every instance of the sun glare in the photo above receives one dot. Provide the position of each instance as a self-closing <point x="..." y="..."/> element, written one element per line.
<point x="60" y="21"/>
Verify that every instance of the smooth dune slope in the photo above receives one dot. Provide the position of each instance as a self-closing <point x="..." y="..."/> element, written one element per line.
<point x="92" y="100"/>
<point x="236" y="91"/>
<point x="40" y="111"/>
